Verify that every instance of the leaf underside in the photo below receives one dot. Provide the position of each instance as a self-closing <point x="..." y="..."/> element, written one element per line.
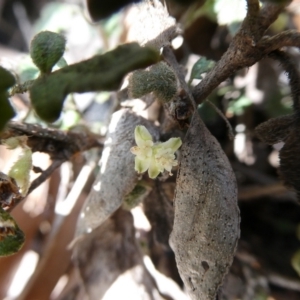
<point x="206" y="225"/>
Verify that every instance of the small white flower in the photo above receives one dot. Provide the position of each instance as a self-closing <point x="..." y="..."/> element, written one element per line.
<point x="153" y="157"/>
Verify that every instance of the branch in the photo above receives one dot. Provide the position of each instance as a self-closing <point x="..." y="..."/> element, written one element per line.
<point x="60" y="145"/>
<point x="288" y="38"/>
<point x="183" y="106"/>
<point x="269" y="13"/>
<point x="258" y="20"/>
<point x="244" y="50"/>
<point x="250" y="23"/>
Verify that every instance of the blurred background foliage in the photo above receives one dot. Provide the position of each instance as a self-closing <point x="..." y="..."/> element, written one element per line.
<point x="268" y="261"/>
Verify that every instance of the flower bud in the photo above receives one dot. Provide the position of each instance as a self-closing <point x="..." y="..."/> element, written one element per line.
<point x="160" y="79"/>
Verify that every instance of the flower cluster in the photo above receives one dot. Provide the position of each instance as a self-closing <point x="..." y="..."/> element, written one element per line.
<point x="153" y="157"/>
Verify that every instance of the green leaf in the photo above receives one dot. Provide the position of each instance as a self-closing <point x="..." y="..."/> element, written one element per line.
<point x="239" y="105"/>
<point x="203" y="65"/>
<point x="100" y="73"/>
<point x="46" y="49"/>
<point x="137" y="195"/>
<point x="11" y="236"/>
<point x="7" y="79"/>
<point x="6" y="111"/>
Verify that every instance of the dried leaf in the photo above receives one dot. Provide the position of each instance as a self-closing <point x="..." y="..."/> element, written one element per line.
<point x="9" y="191"/>
<point x="206" y="225"/>
<point x="12" y="237"/>
<point x="117" y="176"/>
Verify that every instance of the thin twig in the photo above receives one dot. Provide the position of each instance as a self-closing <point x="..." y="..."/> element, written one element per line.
<point x="220" y="113"/>
<point x="45" y="175"/>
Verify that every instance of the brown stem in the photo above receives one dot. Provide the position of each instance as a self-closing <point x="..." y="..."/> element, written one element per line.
<point x="183" y="106"/>
<point x="45" y="175"/>
<point x="269" y="13"/>
<point x="245" y="49"/>
<point x="289" y="38"/>
<point x="60" y="145"/>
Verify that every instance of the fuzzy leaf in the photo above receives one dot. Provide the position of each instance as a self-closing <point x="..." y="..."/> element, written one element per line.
<point x="275" y="130"/>
<point x="206" y="225"/>
<point x="100" y="73"/>
<point x="284" y="129"/>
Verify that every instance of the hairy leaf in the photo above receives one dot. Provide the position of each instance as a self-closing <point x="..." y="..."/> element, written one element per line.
<point x="206" y="225"/>
<point x="284" y="129"/>
<point x="100" y="73"/>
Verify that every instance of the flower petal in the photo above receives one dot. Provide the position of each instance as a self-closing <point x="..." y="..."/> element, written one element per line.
<point x="141" y="135"/>
<point x="141" y="165"/>
<point x="154" y="170"/>
<point x="172" y="143"/>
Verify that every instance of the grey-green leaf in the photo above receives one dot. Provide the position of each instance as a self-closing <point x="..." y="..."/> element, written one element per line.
<point x="117" y="177"/>
<point x="206" y="225"/>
